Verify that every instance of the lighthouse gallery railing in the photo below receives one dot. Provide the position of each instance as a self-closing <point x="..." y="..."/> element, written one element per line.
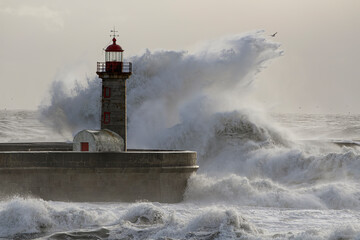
<point x="114" y="67"/>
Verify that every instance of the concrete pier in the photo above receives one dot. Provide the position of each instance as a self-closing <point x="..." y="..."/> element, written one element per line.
<point x="153" y="175"/>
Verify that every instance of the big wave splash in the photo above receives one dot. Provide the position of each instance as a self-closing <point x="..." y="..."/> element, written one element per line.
<point x="256" y="180"/>
<point x="198" y="101"/>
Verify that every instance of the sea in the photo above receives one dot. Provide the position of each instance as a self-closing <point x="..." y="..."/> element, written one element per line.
<point x="262" y="175"/>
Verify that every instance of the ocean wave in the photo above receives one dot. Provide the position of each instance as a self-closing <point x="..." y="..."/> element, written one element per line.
<point x="35" y="217"/>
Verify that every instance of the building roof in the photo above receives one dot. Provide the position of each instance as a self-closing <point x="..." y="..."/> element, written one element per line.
<point x="114" y="47"/>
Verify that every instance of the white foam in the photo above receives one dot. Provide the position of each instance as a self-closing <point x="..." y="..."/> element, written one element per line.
<point x="19" y="216"/>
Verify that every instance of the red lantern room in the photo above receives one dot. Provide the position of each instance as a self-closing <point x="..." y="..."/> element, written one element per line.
<point x="114" y="60"/>
<point x="114" y="53"/>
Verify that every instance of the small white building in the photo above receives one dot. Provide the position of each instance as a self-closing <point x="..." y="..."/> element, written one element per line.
<point x="102" y="140"/>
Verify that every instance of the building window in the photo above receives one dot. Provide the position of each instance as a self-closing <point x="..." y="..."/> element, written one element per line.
<point x="84" y="146"/>
<point x="107" y="92"/>
<point x="106" y="119"/>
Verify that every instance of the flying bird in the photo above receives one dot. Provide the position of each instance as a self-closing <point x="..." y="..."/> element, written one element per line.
<point x="273" y="35"/>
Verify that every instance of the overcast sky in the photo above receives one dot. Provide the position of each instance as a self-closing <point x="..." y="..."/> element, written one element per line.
<point x="43" y="41"/>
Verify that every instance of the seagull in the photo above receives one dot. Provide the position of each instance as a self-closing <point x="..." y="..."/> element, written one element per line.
<point x="273" y="35"/>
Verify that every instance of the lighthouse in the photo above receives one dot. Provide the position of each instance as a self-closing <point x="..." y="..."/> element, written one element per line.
<point x="114" y="73"/>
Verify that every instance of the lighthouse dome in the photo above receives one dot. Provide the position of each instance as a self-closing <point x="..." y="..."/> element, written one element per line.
<point x="114" y="47"/>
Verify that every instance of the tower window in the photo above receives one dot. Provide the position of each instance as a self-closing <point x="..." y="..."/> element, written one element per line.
<point x="106" y="119"/>
<point x="107" y="92"/>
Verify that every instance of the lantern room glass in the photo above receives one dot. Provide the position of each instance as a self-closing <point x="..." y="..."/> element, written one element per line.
<point x="113" y="56"/>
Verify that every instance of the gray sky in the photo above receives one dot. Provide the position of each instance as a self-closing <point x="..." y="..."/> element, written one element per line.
<point x="62" y="39"/>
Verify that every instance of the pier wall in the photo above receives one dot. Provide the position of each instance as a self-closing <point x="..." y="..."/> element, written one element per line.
<point x="96" y="176"/>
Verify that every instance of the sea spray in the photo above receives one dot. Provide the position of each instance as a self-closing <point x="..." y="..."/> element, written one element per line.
<point x="168" y="87"/>
<point x="198" y="101"/>
<point x="166" y="84"/>
<point x="73" y="110"/>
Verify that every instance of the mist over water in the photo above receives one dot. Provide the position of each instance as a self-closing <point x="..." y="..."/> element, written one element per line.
<point x="254" y="175"/>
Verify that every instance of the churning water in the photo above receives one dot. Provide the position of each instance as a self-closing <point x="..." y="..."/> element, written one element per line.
<point x="260" y="177"/>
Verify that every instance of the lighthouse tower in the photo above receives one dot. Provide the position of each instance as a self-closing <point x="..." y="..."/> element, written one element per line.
<point x="114" y="73"/>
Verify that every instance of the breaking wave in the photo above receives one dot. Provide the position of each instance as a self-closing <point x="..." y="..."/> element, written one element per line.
<point x="28" y="217"/>
<point x="199" y="101"/>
